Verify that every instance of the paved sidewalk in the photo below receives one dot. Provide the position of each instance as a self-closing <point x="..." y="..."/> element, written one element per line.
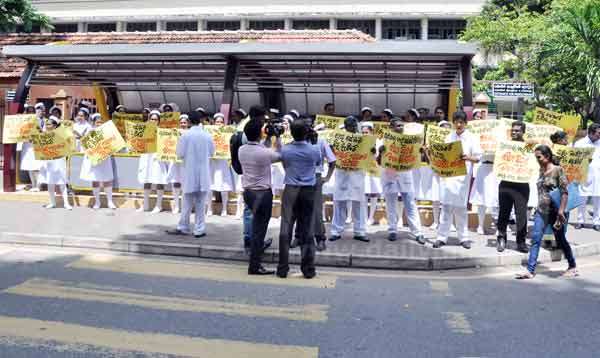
<point x="129" y="231"/>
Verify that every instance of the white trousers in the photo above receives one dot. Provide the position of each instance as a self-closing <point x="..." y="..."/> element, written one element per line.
<point x="340" y="212"/>
<point x="412" y="212"/>
<point x="196" y="200"/>
<point x="459" y="214"/>
<point x="583" y="208"/>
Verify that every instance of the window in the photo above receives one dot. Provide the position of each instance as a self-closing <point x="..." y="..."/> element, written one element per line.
<point x="310" y="24"/>
<point x="223" y="25"/>
<point x="62" y="28"/>
<point x="102" y="27"/>
<point x="266" y="25"/>
<point x="141" y="26"/>
<point x="366" y="26"/>
<point x="446" y="29"/>
<point x="22" y="29"/>
<point x="401" y="29"/>
<point x="182" y="26"/>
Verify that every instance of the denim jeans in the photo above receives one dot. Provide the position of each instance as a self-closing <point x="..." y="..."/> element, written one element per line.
<point x="247" y="223"/>
<point x="540" y="222"/>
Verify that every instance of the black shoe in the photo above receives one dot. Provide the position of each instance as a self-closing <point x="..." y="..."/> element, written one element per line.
<point x="261" y="271"/>
<point x="522" y="247"/>
<point x="578" y="226"/>
<point x="321" y="245"/>
<point x="466" y="244"/>
<point x="282" y="274"/>
<point x="361" y="238"/>
<point x="438" y="243"/>
<point x="392" y="236"/>
<point x="268" y="243"/>
<point x="596" y="227"/>
<point x="335" y="238"/>
<point x="421" y="239"/>
<point x="294" y="243"/>
<point x="501" y="244"/>
<point x="197" y="236"/>
<point x="310" y="275"/>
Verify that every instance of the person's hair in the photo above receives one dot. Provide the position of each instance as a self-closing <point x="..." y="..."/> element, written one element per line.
<point x="299" y="129"/>
<point x="253" y="129"/>
<point x="520" y="124"/>
<point x="558" y="136"/>
<point x="194" y="118"/>
<point x="327" y="105"/>
<point x="593" y="128"/>
<point x="440" y="108"/>
<point x="257" y="112"/>
<point x="459" y="116"/>
<point x="547" y="152"/>
<point x="154" y="115"/>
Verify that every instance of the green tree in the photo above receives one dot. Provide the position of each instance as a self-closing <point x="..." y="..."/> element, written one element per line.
<point x="20" y="12"/>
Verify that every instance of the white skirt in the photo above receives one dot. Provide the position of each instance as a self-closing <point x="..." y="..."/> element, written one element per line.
<point x="28" y="161"/>
<point x="277" y="176"/>
<point x="426" y="183"/>
<point x="102" y="172"/>
<point x="373" y="185"/>
<point x="485" y="187"/>
<point x="222" y="175"/>
<point x="152" y="171"/>
<point x="592" y="186"/>
<point x="54" y="171"/>
<point x="175" y="173"/>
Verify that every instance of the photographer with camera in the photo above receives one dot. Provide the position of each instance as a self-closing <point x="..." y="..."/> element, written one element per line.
<point x="300" y="159"/>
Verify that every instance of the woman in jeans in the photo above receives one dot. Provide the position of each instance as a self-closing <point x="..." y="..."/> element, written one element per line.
<point x="551" y="177"/>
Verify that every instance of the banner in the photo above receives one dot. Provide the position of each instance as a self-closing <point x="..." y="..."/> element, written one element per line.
<point x="379" y="128"/>
<point x="140" y="137"/>
<point x="446" y="159"/>
<point x="402" y="152"/>
<point x="330" y="122"/>
<point x="18" y="128"/>
<point x="539" y="134"/>
<point x="100" y="143"/>
<point x="575" y="162"/>
<point x="567" y="122"/>
<point x="119" y="120"/>
<point x="54" y="144"/>
<point x="436" y="134"/>
<point x="515" y="162"/>
<point x="221" y="136"/>
<point x="353" y="151"/>
<point x="166" y="144"/>
<point x="169" y="120"/>
<point x="489" y="131"/>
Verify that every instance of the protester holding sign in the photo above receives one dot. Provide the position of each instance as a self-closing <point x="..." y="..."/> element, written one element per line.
<point x="400" y="150"/>
<point x="455" y="190"/>
<point x="221" y="173"/>
<point x="81" y="127"/>
<point x="591" y="188"/>
<point x="98" y="173"/>
<point x="28" y="161"/>
<point x="151" y="172"/>
<point x="372" y="182"/>
<point x="175" y="172"/>
<point x="55" y="171"/>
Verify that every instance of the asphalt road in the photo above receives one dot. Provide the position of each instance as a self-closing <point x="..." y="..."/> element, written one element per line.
<point x="63" y="303"/>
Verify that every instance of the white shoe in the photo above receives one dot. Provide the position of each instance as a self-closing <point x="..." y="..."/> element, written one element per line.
<point x="370" y="222"/>
<point x="140" y="209"/>
<point x="111" y="205"/>
<point x="68" y="207"/>
<point x="96" y="206"/>
<point x="175" y="210"/>
<point x="35" y="190"/>
<point x="156" y="210"/>
<point x="453" y="228"/>
<point x="223" y="213"/>
<point x="480" y="231"/>
<point x="50" y="206"/>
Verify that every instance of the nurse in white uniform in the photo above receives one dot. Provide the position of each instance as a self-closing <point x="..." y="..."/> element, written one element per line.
<point x="349" y="188"/>
<point x="372" y="183"/>
<point x="454" y="192"/>
<point x="101" y="174"/>
<point x="591" y="188"/>
<point x="152" y="172"/>
<point x="28" y="161"/>
<point x="56" y="172"/>
<point x="174" y="174"/>
<point x="221" y="174"/>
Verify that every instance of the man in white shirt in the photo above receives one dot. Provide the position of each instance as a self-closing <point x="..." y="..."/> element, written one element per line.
<point x="454" y="192"/>
<point x="591" y="188"/>
<point x="195" y="148"/>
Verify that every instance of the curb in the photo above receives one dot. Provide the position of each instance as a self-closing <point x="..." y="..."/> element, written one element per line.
<point x="271" y="256"/>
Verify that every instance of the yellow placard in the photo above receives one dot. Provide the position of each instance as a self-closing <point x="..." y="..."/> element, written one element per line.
<point x="166" y="144"/>
<point x="169" y="120"/>
<point x="413" y="128"/>
<point x="379" y="128"/>
<point x="221" y="136"/>
<point x="539" y="134"/>
<point x="120" y="118"/>
<point x="567" y="122"/>
<point x="353" y="151"/>
<point x="140" y="137"/>
<point x="489" y="131"/>
<point x="575" y="162"/>
<point x="102" y="142"/>
<point x="330" y="122"/>
<point x="402" y="152"/>
<point x="53" y="144"/>
<point x="446" y="161"/>
<point x="514" y="162"/>
<point x="18" y="128"/>
<point x="436" y="134"/>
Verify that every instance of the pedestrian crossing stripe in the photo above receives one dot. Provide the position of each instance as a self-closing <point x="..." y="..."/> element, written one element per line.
<point x="189" y="270"/>
<point x="145" y="342"/>
<point x="85" y="292"/>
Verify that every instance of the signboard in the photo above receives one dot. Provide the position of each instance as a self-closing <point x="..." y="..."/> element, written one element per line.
<point x="119" y="119"/>
<point x="169" y="120"/>
<point x="575" y="162"/>
<point x="166" y="144"/>
<point x="221" y="136"/>
<point x="18" y="128"/>
<point x="513" y="89"/>
<point x="567" y="122"/>
<point x="330" y="122"/>
<point x="140" y="137"/>
<point x="436" y="134"/>
<point x="353" y="151"/>
<point x="515" y="162"/>
<point x="402" y="152"/>
<point x="489" y="131"/>
<point x="102" y="142"/>
<point x="446" y="159"/>
<point x="53" y="144"/>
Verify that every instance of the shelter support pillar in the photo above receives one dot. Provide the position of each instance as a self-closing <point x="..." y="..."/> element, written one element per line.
<point x="9" y="171"/>
<point x="467" y="86"/>
<point x="424" y="29"/>
<point x="231" y="73"/>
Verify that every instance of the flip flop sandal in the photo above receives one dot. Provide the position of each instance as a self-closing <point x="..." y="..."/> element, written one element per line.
<point x="525" y="276"/>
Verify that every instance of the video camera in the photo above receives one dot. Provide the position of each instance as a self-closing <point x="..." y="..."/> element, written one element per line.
<point x="274" y="127"/>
